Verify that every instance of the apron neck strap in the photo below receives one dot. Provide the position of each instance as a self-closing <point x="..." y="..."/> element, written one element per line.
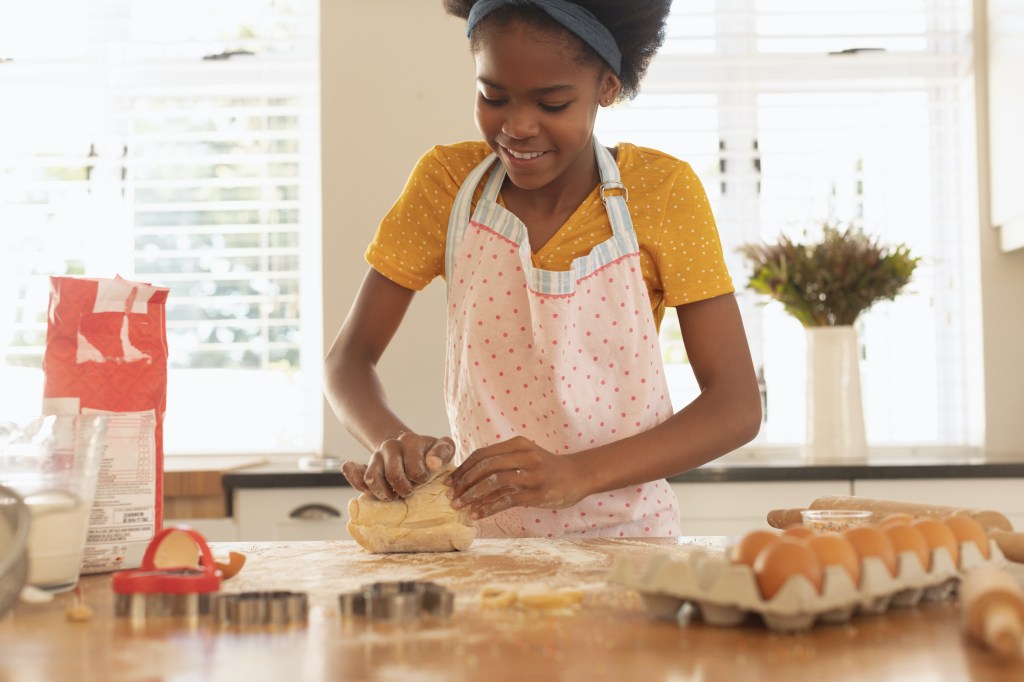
<point x="614" y="195"/>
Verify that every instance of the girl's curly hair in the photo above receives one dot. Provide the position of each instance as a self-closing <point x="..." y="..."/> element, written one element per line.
<point x="637" y="25"/>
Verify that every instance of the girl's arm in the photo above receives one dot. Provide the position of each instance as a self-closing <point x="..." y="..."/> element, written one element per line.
<point x="401" y="459"/>
<point x="725" y="415"/>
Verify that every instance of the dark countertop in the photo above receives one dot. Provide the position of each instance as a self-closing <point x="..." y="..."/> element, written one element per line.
<point x="731" y="470"/>
<point x="736" y="467"/>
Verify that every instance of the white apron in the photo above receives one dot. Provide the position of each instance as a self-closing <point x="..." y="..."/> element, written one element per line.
<point x="569" y="360"/>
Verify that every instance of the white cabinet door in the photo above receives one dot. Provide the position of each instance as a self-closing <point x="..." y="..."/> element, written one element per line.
<point x="266" y="514"/>
<point x="1004" y="495"/>
<point x="736" y="508"/>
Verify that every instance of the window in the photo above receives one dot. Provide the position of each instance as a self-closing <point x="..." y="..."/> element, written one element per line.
<point x="795" y="112"/>
<point x="178" y="144"/>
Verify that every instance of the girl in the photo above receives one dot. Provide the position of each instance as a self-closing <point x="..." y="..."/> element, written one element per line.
<point x="559" y="257"/>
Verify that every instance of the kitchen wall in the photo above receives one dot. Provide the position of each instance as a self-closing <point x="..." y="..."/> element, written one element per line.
<point x="1002" y="273"/>
<point x="397" y="79"/>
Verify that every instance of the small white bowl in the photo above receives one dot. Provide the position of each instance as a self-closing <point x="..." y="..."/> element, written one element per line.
<point x="834" y="520"/>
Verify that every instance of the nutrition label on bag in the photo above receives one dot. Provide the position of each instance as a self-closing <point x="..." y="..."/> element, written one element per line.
<point x="123" y="516"/>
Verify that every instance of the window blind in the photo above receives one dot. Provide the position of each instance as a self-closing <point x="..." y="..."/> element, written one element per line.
<point x="794" y="113"/>
<point x="174" y="143"/>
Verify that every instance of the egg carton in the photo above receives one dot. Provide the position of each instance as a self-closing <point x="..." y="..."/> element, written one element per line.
<point x="725" y="594"/>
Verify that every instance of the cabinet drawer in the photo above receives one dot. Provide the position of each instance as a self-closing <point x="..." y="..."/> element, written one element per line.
<point x="266" y="514"/>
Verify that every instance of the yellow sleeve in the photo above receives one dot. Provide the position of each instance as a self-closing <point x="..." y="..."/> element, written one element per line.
<point x="408" y="247"/>
<point x="689" y="257"/>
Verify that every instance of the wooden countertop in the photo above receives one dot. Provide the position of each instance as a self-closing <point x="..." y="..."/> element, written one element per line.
<point x="609" y="637"/>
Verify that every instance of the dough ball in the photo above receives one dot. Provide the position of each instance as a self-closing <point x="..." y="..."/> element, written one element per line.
<point x="422" y="522"/>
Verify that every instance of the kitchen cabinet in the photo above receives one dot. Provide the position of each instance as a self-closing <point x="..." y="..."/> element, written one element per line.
<point x="265" y="514"/>
<point x="1005" y="495"/>
<point x="307" y="513"/>
<point x="706" y="508"/>
<point x="735" y="508"/>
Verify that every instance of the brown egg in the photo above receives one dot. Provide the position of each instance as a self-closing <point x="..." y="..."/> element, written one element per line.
<point x="906" y="538"/>
<point x="896" y="519"/>
<point x="782" y="560"/>
<point x="937" y="534"/>
<point x="870" y="541"/>
<point x="232" y="566"/>
<point x="967" y="529"/>
<point x="747" y="549"/>
<point x="835" y="550"/>
<point x="798" y="531"/>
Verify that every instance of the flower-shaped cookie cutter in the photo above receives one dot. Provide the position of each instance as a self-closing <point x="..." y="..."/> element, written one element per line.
<point x="398" y="601"/>
<point x="255" y="609"/>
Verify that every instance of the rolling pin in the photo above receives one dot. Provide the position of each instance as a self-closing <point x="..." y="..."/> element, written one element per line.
<point x="987" y="519"/>
<point x="995" y="524"/>
<point x="784" y="518"/>
<point x="992" y="606"/>
<point x="1010" y="544"/>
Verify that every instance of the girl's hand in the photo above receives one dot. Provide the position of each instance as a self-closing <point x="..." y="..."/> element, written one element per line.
<point x="515" y="473"/>
<point x="400" y="465"/>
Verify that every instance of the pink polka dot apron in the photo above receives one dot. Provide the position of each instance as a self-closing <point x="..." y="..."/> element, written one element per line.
<point x="569" y="360"/>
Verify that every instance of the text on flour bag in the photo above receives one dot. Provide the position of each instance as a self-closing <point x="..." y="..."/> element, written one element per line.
<point x="106" y="351"/>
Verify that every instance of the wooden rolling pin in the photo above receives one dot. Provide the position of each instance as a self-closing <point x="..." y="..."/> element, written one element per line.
<point x="995" y="524"/>
<point x="987" y="519"/>
<point x="784" y="518"/>
<point x="1010" y="544"/>
<point x="992" y="605"/>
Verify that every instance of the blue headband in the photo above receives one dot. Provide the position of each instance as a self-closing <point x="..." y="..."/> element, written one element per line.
<point x="577" y="19"/>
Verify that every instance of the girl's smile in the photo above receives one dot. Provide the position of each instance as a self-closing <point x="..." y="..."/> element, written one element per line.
<point x="519" y="159"/>
<point x="522" y="156"/>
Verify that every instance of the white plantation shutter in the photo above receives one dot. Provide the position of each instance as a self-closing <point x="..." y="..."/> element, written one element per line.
<point x="795" y="111"/>
<point x="178" y="144"/>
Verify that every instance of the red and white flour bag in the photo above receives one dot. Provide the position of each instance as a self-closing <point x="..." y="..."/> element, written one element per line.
<point x="106" y="352"/>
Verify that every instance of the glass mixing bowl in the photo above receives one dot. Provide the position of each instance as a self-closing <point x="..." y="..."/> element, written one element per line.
<point x="13" y="553"/>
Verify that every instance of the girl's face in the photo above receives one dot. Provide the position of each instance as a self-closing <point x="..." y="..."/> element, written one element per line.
<point x="536" y="103"/>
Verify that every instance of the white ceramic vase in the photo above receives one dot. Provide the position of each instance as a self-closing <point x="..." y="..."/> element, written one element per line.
<point x="835" y="415"/>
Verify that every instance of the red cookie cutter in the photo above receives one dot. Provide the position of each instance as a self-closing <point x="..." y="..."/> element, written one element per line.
<point x="139" y="592"/>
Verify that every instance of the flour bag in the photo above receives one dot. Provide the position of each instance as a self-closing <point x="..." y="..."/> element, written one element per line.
<point x="106" y="352"/>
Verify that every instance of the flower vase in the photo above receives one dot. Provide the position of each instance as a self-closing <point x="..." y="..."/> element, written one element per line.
<point x="835" y="415"/>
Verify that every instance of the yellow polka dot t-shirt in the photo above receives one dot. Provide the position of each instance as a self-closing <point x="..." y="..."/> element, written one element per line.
<point x="680" y="252"/>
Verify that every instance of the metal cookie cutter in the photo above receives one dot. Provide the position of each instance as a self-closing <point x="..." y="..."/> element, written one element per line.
<point x="254" y="609"/>
<point x="398" y="602"/>
<point x="175" y="579"/>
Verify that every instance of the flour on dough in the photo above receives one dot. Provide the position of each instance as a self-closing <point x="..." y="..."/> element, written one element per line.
<point x="422" y="522"/>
